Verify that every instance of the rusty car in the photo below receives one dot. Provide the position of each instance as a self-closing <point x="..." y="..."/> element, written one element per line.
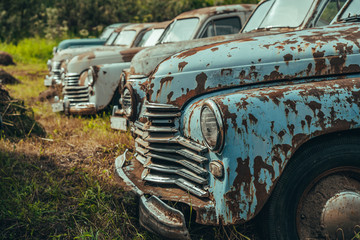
<point x="101" y="81"/>
<point x="265" y="126"/>
<point x="96" y="87"/>
<point x="268" y="18"/>
<point x="74" y="72"/>
<point x="60" y="58"/>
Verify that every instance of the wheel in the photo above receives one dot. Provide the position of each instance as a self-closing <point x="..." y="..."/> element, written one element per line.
<point x="318" y="194"/>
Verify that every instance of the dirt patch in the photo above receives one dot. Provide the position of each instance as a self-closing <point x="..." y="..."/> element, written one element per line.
<point x="6" y="59"/>
<point x="7" y="78"/>
<point x="17" y="121"/>
<point x="49" y="94"/>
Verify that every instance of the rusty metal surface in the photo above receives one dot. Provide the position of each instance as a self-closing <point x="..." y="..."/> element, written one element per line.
<point x="146" y="61"/>
<point x="202" y="207"/>
<point x="309" y="53"/>
<point x="204" y="13"/>
<point x="275" y="93"/>
<point x="98" y="95"/>
<point x="263" y="128"/>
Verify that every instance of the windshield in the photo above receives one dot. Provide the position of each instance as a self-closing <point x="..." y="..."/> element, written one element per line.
<point x="111" y="39"/>
<point x="106" y="33"/>
<point x="351" y="11"/>
<point x="180" y="30"/>
<point x="125" y="38"/>
<point x="153" y="38"/>
<point x="279" y="13"/>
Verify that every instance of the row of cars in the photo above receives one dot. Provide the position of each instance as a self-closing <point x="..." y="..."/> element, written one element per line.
<point x="236" y="118"/>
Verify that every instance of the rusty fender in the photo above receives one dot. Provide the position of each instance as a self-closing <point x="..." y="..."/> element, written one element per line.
<point x="263" y="128"/>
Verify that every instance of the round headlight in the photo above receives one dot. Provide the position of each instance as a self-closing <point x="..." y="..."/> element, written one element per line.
<point x="90" y="77"/>
<point x="212" y="126"/>
<point x="128" y="101"/>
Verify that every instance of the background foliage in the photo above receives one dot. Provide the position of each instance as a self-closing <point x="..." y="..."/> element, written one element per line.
<point x="58" y="19"/>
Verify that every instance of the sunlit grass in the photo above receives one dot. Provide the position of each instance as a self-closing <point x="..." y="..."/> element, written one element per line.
<point x="62" y="186"/>
<point x="30" y="50"/>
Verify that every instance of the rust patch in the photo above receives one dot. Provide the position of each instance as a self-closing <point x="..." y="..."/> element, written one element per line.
<point x="200" y="88"/>
<point x="128" y="54"/>
<point x="181" y="66"/>
<point x="320" y="63"/>
<point x="88" y="55"/>
<point x="288" y="58"/>
<point x="169" y="96"/>
<point x="253" y="119"/>
<point x="226" y="72"/>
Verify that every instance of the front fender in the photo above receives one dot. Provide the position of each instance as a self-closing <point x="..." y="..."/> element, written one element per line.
<point x="106" y="81"/>
<point x="263" y="129"/>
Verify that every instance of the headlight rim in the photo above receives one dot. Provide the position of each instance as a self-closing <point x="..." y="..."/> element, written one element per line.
<point x="91" y="72"/>
<point x="218" y="147"/>
<point x="132" y="115"/>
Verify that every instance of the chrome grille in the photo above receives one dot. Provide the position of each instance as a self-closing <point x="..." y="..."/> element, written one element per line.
<point x="55" y="68"/>
<point x="73" y="92"/>
<point x="167" y="157"/>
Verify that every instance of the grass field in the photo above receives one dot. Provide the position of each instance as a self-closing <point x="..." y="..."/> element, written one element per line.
<point x="62" y="186"/>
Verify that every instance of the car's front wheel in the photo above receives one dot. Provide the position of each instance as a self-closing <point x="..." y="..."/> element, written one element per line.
<point x="318" y="194"/>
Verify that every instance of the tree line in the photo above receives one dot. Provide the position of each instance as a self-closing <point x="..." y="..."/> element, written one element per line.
<point x="86" y="18"/>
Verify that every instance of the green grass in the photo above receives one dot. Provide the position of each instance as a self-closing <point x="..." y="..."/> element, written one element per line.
<point x="30" y="50"/>
<point x="41" y="200"/>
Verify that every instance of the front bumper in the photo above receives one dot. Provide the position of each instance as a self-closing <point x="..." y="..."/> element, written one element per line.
<point x="79" y="108"/>
<point x="118" y="120"/>
<point x="155" y="215"/>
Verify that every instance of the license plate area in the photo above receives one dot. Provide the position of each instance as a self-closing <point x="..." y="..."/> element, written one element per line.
<point x="119" y="123"/>
<point x="48" y="82"/>
<point x="57" y="107"/>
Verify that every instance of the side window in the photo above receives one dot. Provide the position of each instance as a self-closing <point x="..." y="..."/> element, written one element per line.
<point x="330" y="11"/>
<point x="222" y="26"/>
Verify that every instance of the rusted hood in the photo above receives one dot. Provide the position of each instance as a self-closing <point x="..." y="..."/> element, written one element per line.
<point x="315" y="52"/>
<point x="111" y="54"/>
<point x="146" y="61"/>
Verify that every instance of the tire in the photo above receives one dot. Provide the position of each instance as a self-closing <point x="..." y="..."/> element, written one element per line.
<point x="318" y="177"/>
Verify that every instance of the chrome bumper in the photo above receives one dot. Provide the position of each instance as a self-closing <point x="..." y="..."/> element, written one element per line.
<point x="155" y="215"/>
<point x="79" y="108"/>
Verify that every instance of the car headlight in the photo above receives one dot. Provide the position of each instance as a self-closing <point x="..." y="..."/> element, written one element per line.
<point x="211" y="124"/>
<point x="90" y="76"/>
<point x="128" y="101"/>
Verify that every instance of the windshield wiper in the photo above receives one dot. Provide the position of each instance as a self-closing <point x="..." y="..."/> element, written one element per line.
<point x="354" y="18"/>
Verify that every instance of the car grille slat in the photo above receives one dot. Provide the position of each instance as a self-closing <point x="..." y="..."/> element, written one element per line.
<point x="75" y="93"/>
<point x="180" y="182"/>
<point x="168" y="158"/>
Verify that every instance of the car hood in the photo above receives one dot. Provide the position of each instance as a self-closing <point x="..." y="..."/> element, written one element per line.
<point x="79" y="42"/>
<point x="145" y="61"/>
<point x="71" y="52"/>
<point x="309" y="53"/>
<point x="111" y="55"/>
